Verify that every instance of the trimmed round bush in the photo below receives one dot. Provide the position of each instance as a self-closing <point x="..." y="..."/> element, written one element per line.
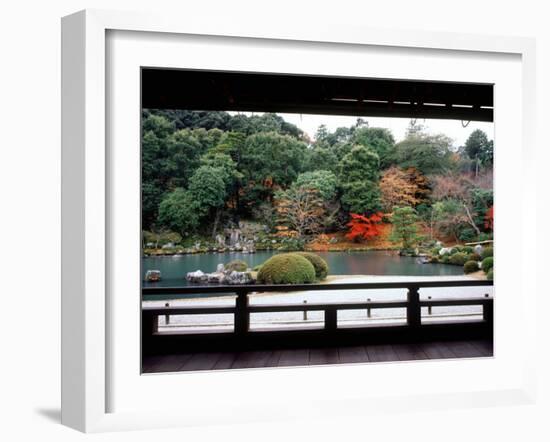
<point x="490" y="274"/>
<point x="487" y="252"/>
<point x="470" y="267"/>
<point x="487" y="264"/>
<point x="286" y="268"/>
<point x="474" y="257"/>
<point x="319" y="264"/>
<point x="466" y="249"/>
<point x="236" y="265"/>
<point x="458" y="259"/>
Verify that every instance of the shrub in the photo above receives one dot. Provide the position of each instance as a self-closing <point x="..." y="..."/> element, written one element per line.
<point x="491" y="274"/>
<point x="467" y="235"/>
<point x="458" y="259"/>
<point x="236" y="265"/>
<point x="435" y="251"/>
<point x="487" y="252"/>
<point x="257" y="268"/>
<point x="286" y="268"/>
<point x="471" y="267"/>
<point x="291" y="245"/>
<point x="467" y="249"/>
<point x="487" y="264"/>
<point x="319" y="264"/>
<point x="474" y="257"/>
<point x="484" y="236"/>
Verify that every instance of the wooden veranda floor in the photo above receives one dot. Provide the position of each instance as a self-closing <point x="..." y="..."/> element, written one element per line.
<point x="317" y="356"/>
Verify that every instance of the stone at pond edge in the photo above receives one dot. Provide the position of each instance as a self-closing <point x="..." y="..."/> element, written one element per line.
<point x="197" y="276"/>
<point x="237" y="278"/>
<point x="217" y="277"/>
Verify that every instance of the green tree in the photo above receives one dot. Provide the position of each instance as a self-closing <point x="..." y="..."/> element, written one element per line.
<point x="209" y="190"/>
<point x="359" y="175"/>
<point x="270" y="161"/>
<point x="431" y="154"/>
<point x="479" y="149"/>
<point x="378" y="139"/>
<point x="155" y="133"/>
<point x="323" y="181"/>
<point x="321" y="158"/>
<point x="404" y="227"/>
<point x="227" y="167"/>
<point x="184" y="152"/>
<point x="178" y="211"/>
<point x="160" y="126"/>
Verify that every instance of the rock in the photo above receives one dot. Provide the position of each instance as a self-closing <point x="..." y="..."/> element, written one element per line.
<point x="234" y="237"/>
<point x="220" y="240"/>
<point x="445" y="251"/>
<point x="216" y="277"/>
<point x="478" y="249"/>
<point x="235" y="278"/>
<point x="197" y="276"/>
<point x="220" y="268"/>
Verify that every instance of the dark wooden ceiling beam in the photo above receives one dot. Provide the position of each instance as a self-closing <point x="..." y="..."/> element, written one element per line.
<point x="208" y="90"/>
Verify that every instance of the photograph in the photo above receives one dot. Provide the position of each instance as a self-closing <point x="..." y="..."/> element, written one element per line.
<point x="292" y="220"/>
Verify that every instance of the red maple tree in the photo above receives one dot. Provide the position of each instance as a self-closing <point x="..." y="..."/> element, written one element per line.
<point x="363" y="227"/>
<point x="488" y="219"/>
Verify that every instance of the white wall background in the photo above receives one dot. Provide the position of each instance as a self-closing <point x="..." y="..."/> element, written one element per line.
<point x="30" y="212"/>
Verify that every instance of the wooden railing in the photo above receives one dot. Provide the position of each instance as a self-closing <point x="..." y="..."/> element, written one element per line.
<point x="242" y="309"/>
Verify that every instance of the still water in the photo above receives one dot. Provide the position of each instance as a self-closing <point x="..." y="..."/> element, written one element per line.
<point x="382" y="263"/>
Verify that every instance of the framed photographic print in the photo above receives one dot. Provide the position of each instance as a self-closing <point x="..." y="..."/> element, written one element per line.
<point x="259" y="221"/>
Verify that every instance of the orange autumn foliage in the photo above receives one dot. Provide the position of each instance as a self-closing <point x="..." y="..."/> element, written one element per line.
<point x="363" y="227"/>
<point x="403" y="187"/>
<point x="489" y="218"/>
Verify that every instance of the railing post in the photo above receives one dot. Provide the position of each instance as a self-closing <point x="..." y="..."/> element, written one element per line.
<point x="305" y="311"/>
<point x="242" y="315"/>
<point x="368" y="309"/>
<point x="331" y="318"/>
<point x="149" y="326"/>
<point x="167" y="317"/>
<point x="413" y="307"/>
<point x="488" y="310"/>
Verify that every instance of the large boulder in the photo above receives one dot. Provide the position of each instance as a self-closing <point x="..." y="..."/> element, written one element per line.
<point x="197" y="276"/>
<point x="446" y="251"/>
<point x="216" y="277"/>
<point x="238" y="278"/>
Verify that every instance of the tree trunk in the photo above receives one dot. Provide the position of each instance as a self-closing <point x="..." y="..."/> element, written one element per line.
<point x="216" y="220"/>
<point x="471" y="220"/>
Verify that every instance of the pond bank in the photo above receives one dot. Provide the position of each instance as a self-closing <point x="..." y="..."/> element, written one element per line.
<point x="380" y="263"/>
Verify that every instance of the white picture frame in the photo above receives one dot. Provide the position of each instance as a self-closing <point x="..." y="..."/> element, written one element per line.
<point x="86" y="315"/>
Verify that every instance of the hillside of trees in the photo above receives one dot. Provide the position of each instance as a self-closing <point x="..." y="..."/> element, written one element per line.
<point x="206" y="172"/>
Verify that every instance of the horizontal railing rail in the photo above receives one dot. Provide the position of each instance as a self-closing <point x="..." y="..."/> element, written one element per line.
<point x="200" y="289"/>
<point x="242" y="309"/>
